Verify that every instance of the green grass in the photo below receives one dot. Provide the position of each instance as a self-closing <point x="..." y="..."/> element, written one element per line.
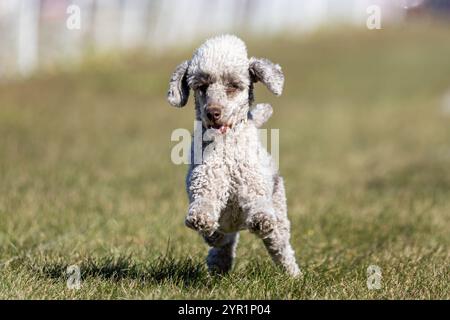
<point x="86" y="176"/>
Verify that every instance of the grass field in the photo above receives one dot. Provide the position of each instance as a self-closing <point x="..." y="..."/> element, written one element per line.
<point x="86" y="176"/>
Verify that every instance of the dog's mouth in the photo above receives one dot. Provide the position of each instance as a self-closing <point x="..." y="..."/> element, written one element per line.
<point x="221" y="127"/>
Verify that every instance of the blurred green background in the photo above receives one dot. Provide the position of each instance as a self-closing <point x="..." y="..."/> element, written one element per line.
<point x="86" y="176"/>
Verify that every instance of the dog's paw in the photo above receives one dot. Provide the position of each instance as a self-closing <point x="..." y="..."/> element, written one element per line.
<point x="203" y="223"/>
<point x="215" y="239"/>
<point x="262" y="224"/>
<point x="294" y="271"/>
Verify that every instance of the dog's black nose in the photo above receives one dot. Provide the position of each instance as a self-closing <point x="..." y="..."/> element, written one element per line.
<point x="213" y="113"/>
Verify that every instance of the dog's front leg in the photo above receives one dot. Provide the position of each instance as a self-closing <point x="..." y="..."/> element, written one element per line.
<point x="260" y="217"/>
<point x="203" y="216"/>
<point x="207" y="186"/>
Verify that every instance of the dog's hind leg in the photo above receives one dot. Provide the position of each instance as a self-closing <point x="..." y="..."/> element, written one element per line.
<point x="277" y="242"/>
<point x="279" y="248"/>
<point x="221" y="255"/>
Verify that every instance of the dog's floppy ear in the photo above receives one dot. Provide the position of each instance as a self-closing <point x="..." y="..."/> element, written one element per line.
<point x="268" y="73"/>
<point x="178" y="93"/>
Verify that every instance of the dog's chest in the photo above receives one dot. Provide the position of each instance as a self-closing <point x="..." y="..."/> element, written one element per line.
<point x="235" y="151"/>
<point x="232" y="218"/>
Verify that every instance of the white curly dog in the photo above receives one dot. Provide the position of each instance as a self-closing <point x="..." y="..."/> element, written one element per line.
<point x="236" y="186"/>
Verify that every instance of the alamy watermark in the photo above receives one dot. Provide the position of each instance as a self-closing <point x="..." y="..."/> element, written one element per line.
<point x="374" y="277"/>
<point x="74" y="277"/>
<point x="373" y="21"/>
<point x="73" y="21"/>
<point x="194" y="149"/>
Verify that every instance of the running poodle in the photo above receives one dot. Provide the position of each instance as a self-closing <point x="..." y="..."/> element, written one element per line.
<point x="236" y="184"/>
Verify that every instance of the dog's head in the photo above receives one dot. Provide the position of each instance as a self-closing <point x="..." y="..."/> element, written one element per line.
<point x="222" y="76"/>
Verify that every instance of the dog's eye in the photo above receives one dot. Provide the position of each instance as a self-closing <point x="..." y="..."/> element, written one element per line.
<point x="203" y="88"/>
<point x="232" y="88"/>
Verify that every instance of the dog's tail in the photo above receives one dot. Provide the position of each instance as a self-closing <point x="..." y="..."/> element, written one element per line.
<point x="260" y="113"/>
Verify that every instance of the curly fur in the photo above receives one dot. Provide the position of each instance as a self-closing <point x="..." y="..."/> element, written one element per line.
<point x="237" y="186"/>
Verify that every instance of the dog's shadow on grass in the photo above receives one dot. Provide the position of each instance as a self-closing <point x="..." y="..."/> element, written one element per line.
<point x="185" y="271"/>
